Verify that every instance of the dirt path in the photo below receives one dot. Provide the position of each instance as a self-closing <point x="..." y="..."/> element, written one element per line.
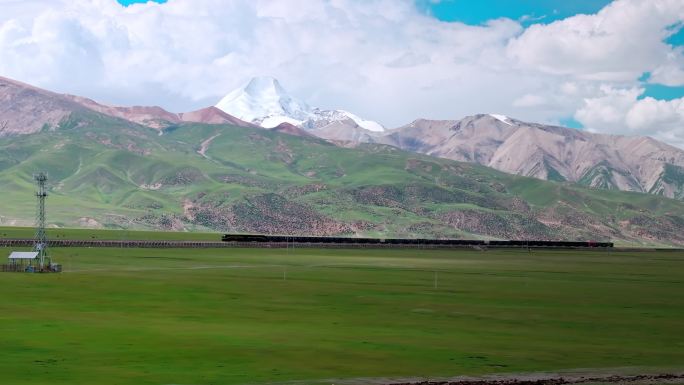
<point x="205" y="145"/>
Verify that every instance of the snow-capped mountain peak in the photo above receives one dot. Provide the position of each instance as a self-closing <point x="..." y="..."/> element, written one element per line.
<point x="265" y="102"/>
<point x="321" y="118"/>
<point x="363" y="123"/>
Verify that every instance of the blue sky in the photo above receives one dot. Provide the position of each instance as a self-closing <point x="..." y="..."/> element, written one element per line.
<point x="526" y="11"/>
<point x="660" y="91"/>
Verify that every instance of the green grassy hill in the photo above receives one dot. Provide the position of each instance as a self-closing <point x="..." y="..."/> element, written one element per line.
<point x="110" y="173"/>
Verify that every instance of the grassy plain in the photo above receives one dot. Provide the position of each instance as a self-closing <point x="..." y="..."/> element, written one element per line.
<point x="238" y="316"/>
<point x="117" y="235"/>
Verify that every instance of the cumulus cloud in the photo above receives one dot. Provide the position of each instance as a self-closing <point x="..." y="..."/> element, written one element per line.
<point x="372" y="57"/>
<point x="670" y="73"/>
<point x="530" y="100"/>
<point x="621" y="111"/>
<point x="619" y="43"/>
<point x="382" y="59"/>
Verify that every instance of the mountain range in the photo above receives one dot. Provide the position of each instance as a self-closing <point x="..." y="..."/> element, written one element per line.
<point x="145" y="167"/>
<point x="25" y="109"/>
<point x="540" y="151"/>
<point x="627" y="163"/>
<point x="639" y="164"/>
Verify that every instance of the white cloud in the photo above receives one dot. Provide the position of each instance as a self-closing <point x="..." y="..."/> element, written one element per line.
<point x="381" y="59"/>
<point x="409" y="59"/>
<point x="618" y="43"/>
<point x="530" y="100"/>
<point x="608" y="110"/>
<point x="620" y="111"/>
<point x="671" y="72"/>
<point x="365" y="56"/>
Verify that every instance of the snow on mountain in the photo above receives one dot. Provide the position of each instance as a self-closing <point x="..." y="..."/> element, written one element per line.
<point x="363" y="123"/>
<point x="263" y="101"/>
<point x="501" y="118"/>
<point x="322" y="118"/>
<point x="276" y="120"/>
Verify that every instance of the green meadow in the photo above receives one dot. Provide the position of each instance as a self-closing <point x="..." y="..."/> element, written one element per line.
<point x="109" y="235"/>
<point x="257" y="316"/>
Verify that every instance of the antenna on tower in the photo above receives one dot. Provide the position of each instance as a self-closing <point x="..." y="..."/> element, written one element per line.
<point x="41" y="241"/>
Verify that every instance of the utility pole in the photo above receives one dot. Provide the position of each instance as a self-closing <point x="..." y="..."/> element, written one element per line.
<point x="41" y="241"/>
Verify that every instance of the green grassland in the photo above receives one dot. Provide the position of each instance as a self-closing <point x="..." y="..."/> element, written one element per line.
<point x="112" y="174"/>
<point x="116" y="235"/>
<point x="256" y="316"/>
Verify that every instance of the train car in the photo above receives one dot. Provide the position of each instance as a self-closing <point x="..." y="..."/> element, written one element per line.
<point x="244" y="238"/>
<point x="412" y="242"/>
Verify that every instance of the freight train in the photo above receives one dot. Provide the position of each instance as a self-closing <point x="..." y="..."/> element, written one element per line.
<point x="409" y="242"/>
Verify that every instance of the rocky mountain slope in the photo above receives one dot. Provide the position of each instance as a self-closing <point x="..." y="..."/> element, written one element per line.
<point x="25" y="109"/>
<point x="157" y="117"/>
<point x="560" y="154"/>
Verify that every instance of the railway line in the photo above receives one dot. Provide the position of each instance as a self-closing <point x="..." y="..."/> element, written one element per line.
<point x="241" y="241"/>
<point x="415" y="242"/>
<point x="279" y="241"/>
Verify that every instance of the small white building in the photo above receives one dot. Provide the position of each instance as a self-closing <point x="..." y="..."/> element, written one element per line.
<point x="29" y="261"/>
<point x="22" y="257"/>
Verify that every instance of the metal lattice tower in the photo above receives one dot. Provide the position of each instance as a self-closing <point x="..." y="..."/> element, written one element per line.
<point x="41" y="241"/>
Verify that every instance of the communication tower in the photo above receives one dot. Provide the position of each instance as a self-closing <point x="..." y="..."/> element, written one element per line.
<point x="41" y="241"/>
